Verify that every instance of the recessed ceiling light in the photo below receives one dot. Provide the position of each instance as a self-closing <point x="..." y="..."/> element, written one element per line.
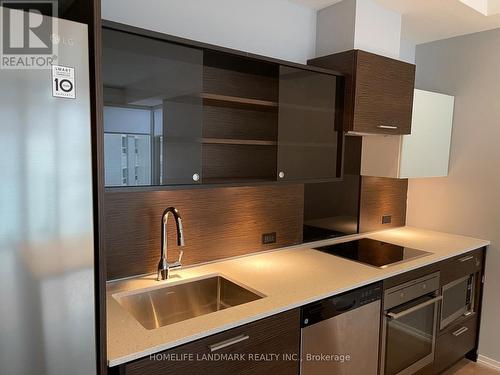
<point x="485" y="7"/>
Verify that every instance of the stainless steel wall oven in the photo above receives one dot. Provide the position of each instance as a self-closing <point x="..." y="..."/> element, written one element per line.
<point x="410" y="325"/>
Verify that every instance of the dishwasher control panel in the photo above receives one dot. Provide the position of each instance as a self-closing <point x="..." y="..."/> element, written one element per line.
<point x="371" y="295"/>
<point x="328" y="308"/>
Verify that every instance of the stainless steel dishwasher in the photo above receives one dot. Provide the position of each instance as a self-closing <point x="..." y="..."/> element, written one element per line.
<point x="340" y="334"/>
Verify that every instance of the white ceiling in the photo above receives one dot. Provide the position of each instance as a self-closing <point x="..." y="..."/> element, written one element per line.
<point x="428" y="20"/>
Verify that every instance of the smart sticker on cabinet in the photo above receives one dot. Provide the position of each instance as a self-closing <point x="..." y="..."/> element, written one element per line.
<point x="63" y="82"/>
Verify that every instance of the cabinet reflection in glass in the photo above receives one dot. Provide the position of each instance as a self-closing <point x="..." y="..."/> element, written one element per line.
<point x="152" y="110"/>
<point x="132" y="140"/>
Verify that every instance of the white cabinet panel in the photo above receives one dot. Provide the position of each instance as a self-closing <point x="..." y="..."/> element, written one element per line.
<point x="423" y="153"/>
<point x="426" y="151"/>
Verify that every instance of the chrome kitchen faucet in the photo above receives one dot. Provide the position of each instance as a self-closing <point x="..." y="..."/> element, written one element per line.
<point x="164" y="267"/>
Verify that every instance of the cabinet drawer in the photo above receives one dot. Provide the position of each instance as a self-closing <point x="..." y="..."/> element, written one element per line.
<point x="461" y="265"/>
<point x="454" y="343"/>
<point x="244" y="349"/>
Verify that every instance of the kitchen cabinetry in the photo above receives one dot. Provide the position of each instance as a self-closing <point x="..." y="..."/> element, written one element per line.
<point x="249" y="345"/>
<point x="462" y="265"/>
<point x="453" y="344"/>
<point x="210" y="115"/>
<point x="378" y="92"/>
<point x="308" y="143"/>
<point x="411" y="321"/>
<point x="151" y="91"/>
<point x="423" y="153"/>
<point x="240" y="119"/>
<point x="460" y="338"/>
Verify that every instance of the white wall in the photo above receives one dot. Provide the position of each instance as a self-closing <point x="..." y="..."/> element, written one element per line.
<point x="358" y="24"/>
<point x="335" y="28"/>
<point x="468" y="200"/>
<point x="378" y="29"/>
<point x="276" y="28"/>
<point x="407" y="51"/>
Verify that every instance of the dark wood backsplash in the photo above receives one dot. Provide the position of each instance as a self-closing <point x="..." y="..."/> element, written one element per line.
<point x="218" y="223"/>
<point x="380" y="197"/>
<point x="225" y="222"/>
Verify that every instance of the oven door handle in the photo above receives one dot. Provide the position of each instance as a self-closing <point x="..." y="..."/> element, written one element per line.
<point x="414" y="308"/>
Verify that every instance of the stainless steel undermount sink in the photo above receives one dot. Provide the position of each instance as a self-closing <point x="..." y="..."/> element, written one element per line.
<point x="170" y="304"/>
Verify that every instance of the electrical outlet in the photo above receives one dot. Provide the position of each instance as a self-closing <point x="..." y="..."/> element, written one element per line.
<point x="268" y="238"/>
<point x="386" y="219"/>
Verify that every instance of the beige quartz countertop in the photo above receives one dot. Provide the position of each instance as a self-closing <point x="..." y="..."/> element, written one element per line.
<point x="288" y="277"/>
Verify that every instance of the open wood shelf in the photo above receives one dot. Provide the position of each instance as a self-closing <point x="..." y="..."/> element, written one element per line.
<point x="226" y="141"/>
<point x="238" y="102"/>
<point x="310" y="108"/>
<point x="222" y="141"/>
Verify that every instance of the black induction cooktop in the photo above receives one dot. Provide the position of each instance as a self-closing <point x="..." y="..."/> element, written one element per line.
<point x="375" y="253"/>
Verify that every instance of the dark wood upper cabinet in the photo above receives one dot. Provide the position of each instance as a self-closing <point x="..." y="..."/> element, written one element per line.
<point x="178" y="112"/>
<point x="309" y="145"/>
<point x="378" y="92"/>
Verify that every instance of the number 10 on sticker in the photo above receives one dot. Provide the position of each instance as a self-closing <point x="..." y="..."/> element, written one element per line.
<point x="63" y="82"/>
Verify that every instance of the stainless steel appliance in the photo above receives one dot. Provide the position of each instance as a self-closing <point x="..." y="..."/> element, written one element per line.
<point x="340" y="335"/>
<point x="372" y="252"/>
<point x="47" y="314"/>
<point x="409" y="326"/>
<point x="458" y="300"/>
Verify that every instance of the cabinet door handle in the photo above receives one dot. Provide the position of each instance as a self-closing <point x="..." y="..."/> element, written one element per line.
<point x="458" y="332"/>
<point x="228" y="342"/>
<point x="465" y="259"/>
<point x="392" y="127"/>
